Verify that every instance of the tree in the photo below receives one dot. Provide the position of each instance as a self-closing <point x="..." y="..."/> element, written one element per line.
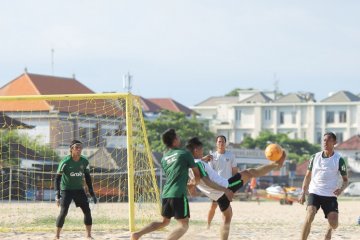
<point x="9" y="157"/>
<point x="185" y="128"/>
<point x="297" y="149"/>
<point x="235" y="92"/>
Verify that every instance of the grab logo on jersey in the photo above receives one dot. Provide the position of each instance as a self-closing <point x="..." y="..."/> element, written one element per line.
<point x="76" y="174"/>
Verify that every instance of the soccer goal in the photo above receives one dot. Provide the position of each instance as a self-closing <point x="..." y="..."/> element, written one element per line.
<point x="35" y="135"/>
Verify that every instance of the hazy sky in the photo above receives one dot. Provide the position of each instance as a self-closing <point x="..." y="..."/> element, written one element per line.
<point x="188" y="50"/>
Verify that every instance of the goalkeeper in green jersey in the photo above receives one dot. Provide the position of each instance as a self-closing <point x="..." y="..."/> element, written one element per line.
<point x="69" y="186"/>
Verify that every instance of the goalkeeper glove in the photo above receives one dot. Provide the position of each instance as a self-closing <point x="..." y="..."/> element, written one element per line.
<point x="92" y="194"/>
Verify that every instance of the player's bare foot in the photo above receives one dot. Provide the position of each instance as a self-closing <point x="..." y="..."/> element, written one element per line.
<point x="281" y="161"/>
<point x="134" y="236"/>
<point x="328" y="234"/>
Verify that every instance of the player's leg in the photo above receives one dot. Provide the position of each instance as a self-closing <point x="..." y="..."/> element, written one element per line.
<point x="311" y="210"/>
<point x="262" y="170"/>
<point x="331" y="212"/>
<point x="225" y="208"/>
<point x="153" y="226"/>
<point x="211" y="213"/>
<point x="66" y="198"/>
<point x="81" y="201"/>
<point x="182" y="215"/>
<point x="167" y="213"/>
<point x="183" y="226"/>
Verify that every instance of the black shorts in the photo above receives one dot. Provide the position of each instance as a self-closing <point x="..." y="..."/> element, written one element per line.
<point x="78" y="196"/>
<point x="175" y="207"/>
<point x="327" y="204"/>
<point x="235" y="183"/>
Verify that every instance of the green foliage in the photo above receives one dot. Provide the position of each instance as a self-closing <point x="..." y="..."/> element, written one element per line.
<point x="9" y="157"/>
<point x="297" y="149"/>
<point x="185" y="128"/>
<point x="235" y="92"/>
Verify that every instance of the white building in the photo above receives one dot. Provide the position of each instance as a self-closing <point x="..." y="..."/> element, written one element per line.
<point x="297" y="114"/>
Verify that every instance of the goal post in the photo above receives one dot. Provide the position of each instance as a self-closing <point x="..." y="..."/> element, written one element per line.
<point x="35" y="133"/>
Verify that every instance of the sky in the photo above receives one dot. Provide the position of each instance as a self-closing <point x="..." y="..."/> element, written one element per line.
<point x="184" y="49"/>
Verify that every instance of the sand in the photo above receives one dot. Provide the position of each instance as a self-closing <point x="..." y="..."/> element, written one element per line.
<point x="251" y="221"/>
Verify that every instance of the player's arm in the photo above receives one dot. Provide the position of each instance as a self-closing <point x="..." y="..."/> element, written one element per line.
<point x="247" y="174"/>
<point x="57" y="188"/>
<point x="305" y="187"/>
<point x="196" y="172"/>
<point x="90" y="186"/>
<point x="234" y="168"/>
<point x="229" y="194"/>
<point x="343" y="172"/>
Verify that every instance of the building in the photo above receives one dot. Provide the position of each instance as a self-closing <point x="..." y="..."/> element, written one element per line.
<point x="96" y="123"/>
<point x="350" y="150"/>
<point x="153" y="106"/>
<point x="297" y="114"/>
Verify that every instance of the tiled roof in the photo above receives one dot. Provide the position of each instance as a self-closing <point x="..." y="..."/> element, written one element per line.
<point x="258" y="97"/>
<point x="352" y="143"/>
<point x="7" y="122"/>
<point x="302" y="168"/>
<point x="35" y="84"/>
<point x="149" y="106"/>
<point x="171" y="105"/>
<point x="342" y="96"/>
<point x="214" y="101"/>
<point x="18" y="150"/>
<point x="291" y="98"/>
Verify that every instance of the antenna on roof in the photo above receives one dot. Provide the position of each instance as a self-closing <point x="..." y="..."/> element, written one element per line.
<point x="25" y="70"/>
<point x="276" y="87"/>
<point x="52" y="61"/>
<point x="127" y="82"/>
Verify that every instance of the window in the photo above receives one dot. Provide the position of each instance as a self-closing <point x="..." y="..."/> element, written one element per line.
<point x="318" y="137"/>
<point x="267" y="114"/>
<point x="293" y="117"/>
<point x="246" y="135"/>
<point x="82" y="133"/>
<point x="339" y="137"/>
<point x="281" y="117"/>
<point x="238" y="115"/>
<point x="330" y="117"/>
<point x="342" y="117"/>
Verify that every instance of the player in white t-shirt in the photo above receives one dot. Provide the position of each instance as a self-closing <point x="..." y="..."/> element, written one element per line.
<point x="223" y="162"/>
<point x="321" y="182"/>
<point x="209" y="177"/>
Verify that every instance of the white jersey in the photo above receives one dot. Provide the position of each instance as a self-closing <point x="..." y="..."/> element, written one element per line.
<point x="206" y="170"/>
<point x="223" y="163"/>
<point x="325" y="173"/>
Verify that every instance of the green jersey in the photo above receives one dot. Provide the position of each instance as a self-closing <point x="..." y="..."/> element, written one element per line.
<point x="176" y="163"/>
<point x="73" y="172"/>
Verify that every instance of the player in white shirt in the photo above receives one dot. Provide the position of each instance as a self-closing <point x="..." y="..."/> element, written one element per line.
<point x="209" y="176"/>
<point x="321" y="183"/>
<point x="223" y="162"/>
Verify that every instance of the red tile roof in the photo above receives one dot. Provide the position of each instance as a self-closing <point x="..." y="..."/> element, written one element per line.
<point x="149" y="106"/>
<point x="35" y="84"/>
<point x="352" y="143"/>
<point x="302" y="168"/>
<point x="171" y="105"/>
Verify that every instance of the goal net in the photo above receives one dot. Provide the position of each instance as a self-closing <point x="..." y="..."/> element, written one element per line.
<point x="35" y="135"/>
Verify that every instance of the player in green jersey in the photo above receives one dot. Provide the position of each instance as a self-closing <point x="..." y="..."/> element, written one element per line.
<point x="69" y="186"/>
<point x="175" y="163"/>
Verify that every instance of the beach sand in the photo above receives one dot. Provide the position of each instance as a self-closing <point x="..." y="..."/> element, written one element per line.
<point x="251" y="221"/>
